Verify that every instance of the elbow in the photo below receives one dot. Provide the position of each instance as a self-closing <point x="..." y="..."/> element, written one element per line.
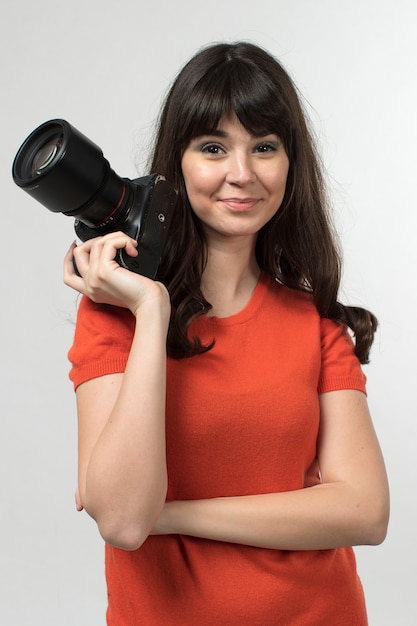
<point x="374" y="526"/>
<point x="377" y="529"/>
<point x="126" y="525"/>
<point x="126" y="530"/>
<point x="124" y="536"/>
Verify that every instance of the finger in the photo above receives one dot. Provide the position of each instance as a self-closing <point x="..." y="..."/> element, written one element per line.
<point x="103" y="249"/>
<point x="116" y="238"/>
<point x="108" y="246"/>
<point x="90" y="256"/>
<point x="68" y="261"/>
<point x="70" y="250"/>
<point x="78" y="504"/>
<point x="71" y="278"/>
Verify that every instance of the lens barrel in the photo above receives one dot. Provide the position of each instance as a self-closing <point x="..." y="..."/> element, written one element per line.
<point x="67" y="173"/>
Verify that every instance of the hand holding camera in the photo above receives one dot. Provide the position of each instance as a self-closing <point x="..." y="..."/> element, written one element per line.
<point x="103" y="280"/>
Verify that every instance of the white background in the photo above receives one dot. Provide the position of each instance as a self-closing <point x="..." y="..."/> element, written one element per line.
<point x="104" y="66"/>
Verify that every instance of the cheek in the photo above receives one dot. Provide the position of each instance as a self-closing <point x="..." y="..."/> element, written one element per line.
<point x="278" y="182"/>
<point x="192" y="188"/>
<point x="199" y="181"/>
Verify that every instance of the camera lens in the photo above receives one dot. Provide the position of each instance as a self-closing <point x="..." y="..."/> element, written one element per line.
<point x="46" y="154"/>
<point x="67" y="173"/>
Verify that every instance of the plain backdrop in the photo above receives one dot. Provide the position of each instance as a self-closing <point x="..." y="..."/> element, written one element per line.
<point x="105" y="67"/>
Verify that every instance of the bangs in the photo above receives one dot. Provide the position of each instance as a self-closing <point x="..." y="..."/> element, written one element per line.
<point x="235" y="89"/>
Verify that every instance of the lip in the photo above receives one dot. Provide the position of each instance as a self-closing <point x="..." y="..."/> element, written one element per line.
<point x="240" y="204"/>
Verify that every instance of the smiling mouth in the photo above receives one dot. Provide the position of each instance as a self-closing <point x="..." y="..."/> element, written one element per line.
<point x="240" y="204"/>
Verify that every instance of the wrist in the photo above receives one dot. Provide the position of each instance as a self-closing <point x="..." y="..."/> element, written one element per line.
<point x="155" y="306"/>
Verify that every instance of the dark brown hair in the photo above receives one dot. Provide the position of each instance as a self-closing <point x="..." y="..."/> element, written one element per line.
<point x="298" y="246"/>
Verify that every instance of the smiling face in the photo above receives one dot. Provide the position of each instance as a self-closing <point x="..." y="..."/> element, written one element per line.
<point x="235" y="181"/>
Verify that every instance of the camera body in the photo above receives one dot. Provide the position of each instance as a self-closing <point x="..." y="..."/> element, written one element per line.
<point x="67" y="173"/>
<point x="147" y="220"/>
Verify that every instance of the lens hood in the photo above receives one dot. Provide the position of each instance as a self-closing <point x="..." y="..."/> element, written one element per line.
<point x="64" y="170"/>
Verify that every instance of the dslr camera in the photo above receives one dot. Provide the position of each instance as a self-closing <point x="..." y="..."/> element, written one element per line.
<point x="67" y="173"/>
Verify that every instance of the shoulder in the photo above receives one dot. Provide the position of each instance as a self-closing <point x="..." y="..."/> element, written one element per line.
<point x="295" y="312"/>
<point x="290" y="301"/>
<point x="340" y="367"/>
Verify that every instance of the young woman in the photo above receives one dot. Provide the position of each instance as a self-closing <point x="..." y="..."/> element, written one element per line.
<point x="226" y="449"/>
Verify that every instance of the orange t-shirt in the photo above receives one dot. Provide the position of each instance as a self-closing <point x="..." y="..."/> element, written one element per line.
<point x="241" y="419"/>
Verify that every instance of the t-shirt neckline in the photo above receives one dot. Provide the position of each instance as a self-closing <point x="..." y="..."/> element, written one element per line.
<point x="248" y="311"/>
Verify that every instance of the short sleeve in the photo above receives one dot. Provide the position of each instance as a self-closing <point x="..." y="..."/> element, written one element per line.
<point x="102" y="341"/>
<point x="340" y="367"/>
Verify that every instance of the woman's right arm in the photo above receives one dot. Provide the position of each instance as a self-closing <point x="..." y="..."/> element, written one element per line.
<point x="122" y="478"/>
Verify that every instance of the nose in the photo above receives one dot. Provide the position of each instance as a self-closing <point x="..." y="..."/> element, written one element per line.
<point x="240" y="170"/>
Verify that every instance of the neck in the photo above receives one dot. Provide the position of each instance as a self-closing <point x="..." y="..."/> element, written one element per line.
<point x="230" y="277"/>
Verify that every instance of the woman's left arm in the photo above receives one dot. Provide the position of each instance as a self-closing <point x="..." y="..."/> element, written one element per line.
<point x="349" y="507"/>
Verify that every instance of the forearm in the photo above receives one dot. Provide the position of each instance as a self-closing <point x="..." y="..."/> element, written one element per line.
<point x="320" y="517"/>
<point x="124" y="486"/>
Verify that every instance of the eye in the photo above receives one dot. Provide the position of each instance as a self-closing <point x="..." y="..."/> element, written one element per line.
<point x="267" y="146"/>
<point x="212" y="148"/>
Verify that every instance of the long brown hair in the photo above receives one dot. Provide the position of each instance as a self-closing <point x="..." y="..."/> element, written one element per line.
<point x="298" y="246"/>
